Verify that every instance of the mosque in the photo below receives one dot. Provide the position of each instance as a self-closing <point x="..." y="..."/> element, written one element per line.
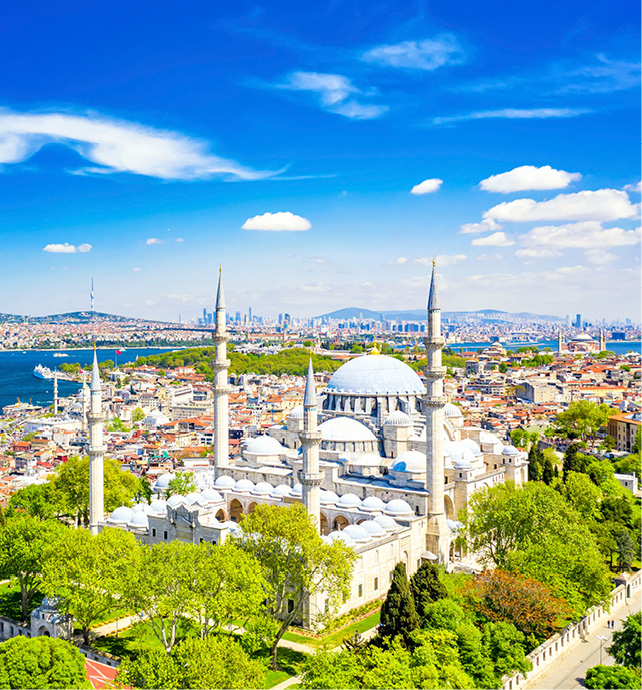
<point x="380" y="460"/>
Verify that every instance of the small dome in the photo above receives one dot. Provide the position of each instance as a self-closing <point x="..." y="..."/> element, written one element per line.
<point x="341" y="536"/>
<point x="296" y="412"/>
<point x="211" y="496"/>
<point x="372" y="504"/>
<point x="224" y="482"/>
<point x="410" y="461"/>
<point x="176" y="500"/>
<point x="263" y="445"/>
<point x="472" y="445"/>
<point x="387" y="523"/>
<point x="463" y="458"/>
<point x="139" y="520"/>
<point x="510" y="450"/>
<point x="297" y="491"/>
<point x="398" y="508"/>
<point x="451" y="410"/>
<point x="159" y="506"/>
<point x="357" y="533"/>
<point x="138" y="507"/>
<point x="328" y="498"/>
<point x="280" y="491"/>
<point x="193" y="497"/>
<point x="374" y="529"/>
<point x="349" y="501"/>
<point x="121" y="516"/>
<point x="262" y="489"/>
<point x="163" y="481"/>
<point x="243" y="486"/>
<point x="398" y="418"/>
<point x="367" y="460"/>
<point x="345" y="430"/>
<point x="487" y="437"/>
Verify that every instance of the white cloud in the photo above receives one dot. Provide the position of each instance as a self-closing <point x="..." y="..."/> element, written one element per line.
<point x="277" y="222"/>
<point x="497" y="239"/>
<point x="599" y="257"/>
<point x="153" y="240"/>
<point x="635" y="187"/>
<point x="137" y="269"/>
<point x="512" y="114"/>
<point x="586" y="235"/>
<point x="335" y="93"/>
<point x="115" y="146"/>
<point x="179" y="239"/>
<point x="528" y="177"/>
<point x="426" y="55"/>
<point x="399" y="261"/>
<point x="490" y="257"/>
<point x="536" y="254"/>
<point x="427" y="186"/>
<point x="601" y="204"/>
<point x="486" y="225"/>
<point x="441" y="260"/>
<point x="67" y="248"/>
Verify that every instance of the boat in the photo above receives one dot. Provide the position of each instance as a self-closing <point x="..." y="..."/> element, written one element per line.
<point x="60" y="354"/>
<point x="41" y="372"/>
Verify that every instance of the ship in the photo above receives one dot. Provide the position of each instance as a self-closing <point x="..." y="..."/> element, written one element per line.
<point x="60" y="354"/>
<point x="41" y="372"/>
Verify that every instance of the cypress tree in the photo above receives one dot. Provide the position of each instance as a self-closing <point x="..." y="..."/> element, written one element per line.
<point x="398" y="613"/>
<point x="548" y="472"/>
<point x="535" y="468"/>
<point x="426" y="587"/>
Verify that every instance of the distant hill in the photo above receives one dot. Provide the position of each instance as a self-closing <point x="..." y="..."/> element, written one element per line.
<point x="494" y="315"/>
<point x="69" y="317"/>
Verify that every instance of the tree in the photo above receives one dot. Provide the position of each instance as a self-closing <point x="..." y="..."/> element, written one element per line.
<point x="138" y="415"/>
<point x="298" y="564"/>
<point x="327" y="670"/>
<point x="145" y="491"/>
<point x="90" y="573"/>
<point x="41" y="662"/>
<point x="182" y="484"/>
<point x="628" y="641"/>
<point x="36" y="500"/>
<point x="24" y="551"/>
<point x="535" y="464"/>
<point x="611" y="677"/>
<point x="582" y="420"/>
<point x="503" y="367"/>
<point x="398" y="613"/>
<point x="215" y="662"/>
<point x="426" y="586"/>
<point x="548" y="473"/>
<point x="582" y="494"/>
<point x="574" y="461"/>
<point x="627" y="550"/>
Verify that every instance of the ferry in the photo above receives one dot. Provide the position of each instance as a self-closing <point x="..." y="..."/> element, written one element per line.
<point x="60" y="354"/>
<point x="41" y="372"/>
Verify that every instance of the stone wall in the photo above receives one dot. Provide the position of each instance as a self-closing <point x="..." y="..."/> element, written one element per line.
<point x="544" y="656"/>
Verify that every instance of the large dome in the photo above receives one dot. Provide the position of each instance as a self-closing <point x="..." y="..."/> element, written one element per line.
<point x="375" y="375"/>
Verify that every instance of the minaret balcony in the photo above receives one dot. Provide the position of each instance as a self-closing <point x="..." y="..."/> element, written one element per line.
<point x="434" y="341"/>
<point x="220" y="338"/>
<point x="310" y="438"/>
<point x="311" y="478"/>
<point x="435" y="372"/>
<point x="218" y="365"/>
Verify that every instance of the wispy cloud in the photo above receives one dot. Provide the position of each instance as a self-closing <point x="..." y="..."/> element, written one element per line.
<point x="486" y="225"/>
<point x="512" y="114"/>
<point x="528" y="177"/>
<point x="585" y="235"/>
<point x="281" y="221"/>
<point x="427" y="186"/>
<point x="67" y="248"/>
<point x="426" y="55"/>
<point x="153" y="240"/>
<point x="440" y="259"/>
<point x="335" y="93"/>
<point x="116" y="146"/>
<point x="497" y="239"/>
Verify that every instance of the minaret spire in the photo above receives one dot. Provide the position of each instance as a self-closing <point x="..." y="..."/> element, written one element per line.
<point x="221" y="389"/>
<point x="96" y="451"/>
<point x="437" y="537"/>
<point x="55" y="393"/>
<point x="311" y="477"/>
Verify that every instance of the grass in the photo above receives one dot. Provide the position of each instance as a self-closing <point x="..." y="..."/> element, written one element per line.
<point x="289" y="663"/>
<point x="335" y="638"/>
<point x="11" y="601"/>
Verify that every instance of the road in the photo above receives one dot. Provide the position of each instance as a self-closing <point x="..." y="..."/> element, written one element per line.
<point x="569" y="671"/>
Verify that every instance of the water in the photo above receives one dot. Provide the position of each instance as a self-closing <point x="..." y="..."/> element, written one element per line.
<point x="620" y="347"/>
<point x="18" y="381"/>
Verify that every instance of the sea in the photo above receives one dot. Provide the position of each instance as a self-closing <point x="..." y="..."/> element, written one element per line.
<point x="18" y="382"/>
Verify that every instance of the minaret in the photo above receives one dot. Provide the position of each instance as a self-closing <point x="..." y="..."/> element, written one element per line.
<point x="85" y="398"/>
<point x="437" y="537"/>
<point x="55" y="394"/>
<point x="560" y="343"/>
<point x="91" y="295"/>
<point x="221" y="389"/>
<point x="602" y="340"/>
<point x="310" y="437"/>
<point x="96" y="451"/>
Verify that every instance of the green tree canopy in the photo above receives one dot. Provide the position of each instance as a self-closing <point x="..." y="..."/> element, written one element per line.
<point x="41" y="662"/>
<point x="611" y="677"/>
<point x="398" y="613"/>
<point x="426" y="586"/>
<point x="138" y="415"/>
<point x="182" y="484"/>
<point x="628" y="642"/>
<point x="582" y="420"/>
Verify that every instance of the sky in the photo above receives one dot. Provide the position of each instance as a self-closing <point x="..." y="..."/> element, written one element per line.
<point x="322" y="153"/>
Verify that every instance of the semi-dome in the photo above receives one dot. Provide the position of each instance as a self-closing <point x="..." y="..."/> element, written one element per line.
<point x="398" y="508"/>
<point x="357" y="533"/>
<point x="349" y="501"/>
<point x="387" y="523"/>
<point x="372" y="504"/>
<point x="472" y="445"/>
<point x="263" y="445"/>
<point x="296" y="412"/>
<point x="158" y="506"/>
<point x="345" y="430"/>
<point x="410" y="461"/>
<point x="374" y="529"/>
<point x="281" y="490"/>
<point x="341" y="536"/>
<point x="211" y="496"/>
<point x="176" y="500"/>
<point x="224" y="482"/>
<point x="451" y="410"/>
<point x="262" y="489"/>
<point x="510" y="450"/>
<point x="121" y="516"/>
<point x="328" y="498"/>
<point x="243" y="486"/>
<point x="582" y="338"/>
<point x="375" y="375"/>
<point x="398" y="418"/>
<point x="139" y="520"/>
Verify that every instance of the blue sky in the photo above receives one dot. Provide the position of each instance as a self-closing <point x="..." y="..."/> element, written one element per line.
<point x="322" y="154"/>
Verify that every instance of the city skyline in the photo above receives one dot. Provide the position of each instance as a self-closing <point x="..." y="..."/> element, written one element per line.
<point x="323" y="156"/>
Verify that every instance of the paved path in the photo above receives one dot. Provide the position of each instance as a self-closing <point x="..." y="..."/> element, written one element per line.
<point x="570" y="669"/>
<point x="286" y="683"/>
<point x="115" y="626"/>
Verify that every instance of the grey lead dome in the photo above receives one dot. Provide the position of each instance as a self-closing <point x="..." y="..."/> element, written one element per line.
<point x="375" y="375"/>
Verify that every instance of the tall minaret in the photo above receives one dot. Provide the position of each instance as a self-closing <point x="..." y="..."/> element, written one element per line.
<point x="96" y="451"/>
<point x="602" y="340"/>
<point x="310" y="437"/>
<point x="221" y="389"/>
<point x="437" y="537"/>
<point x="560" y="343"/>
<point x="85" y="397"/>
<point x="55" y="394"/>
<point x="91" y="295"/>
